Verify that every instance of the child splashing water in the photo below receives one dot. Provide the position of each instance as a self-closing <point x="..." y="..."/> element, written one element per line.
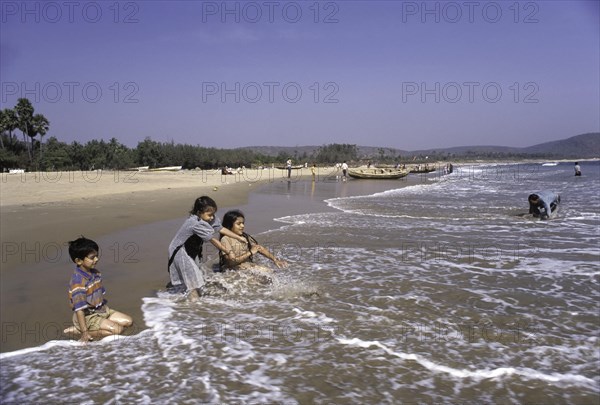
<point x="238" y="254"/>
<point x="237" y="266"/>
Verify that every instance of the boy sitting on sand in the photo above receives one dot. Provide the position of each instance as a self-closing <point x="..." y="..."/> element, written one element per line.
<point x="91" y="316"/>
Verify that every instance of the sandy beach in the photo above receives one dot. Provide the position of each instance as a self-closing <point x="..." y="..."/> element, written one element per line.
<point x="40" y="212"/>
<point x="45" y="207"/>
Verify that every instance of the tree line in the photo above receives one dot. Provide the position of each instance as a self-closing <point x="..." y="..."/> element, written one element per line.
<point x="32" y="153"/>
<point x="23" y="118"/>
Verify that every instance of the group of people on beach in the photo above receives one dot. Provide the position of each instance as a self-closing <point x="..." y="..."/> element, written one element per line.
<point x="93" y="319"/>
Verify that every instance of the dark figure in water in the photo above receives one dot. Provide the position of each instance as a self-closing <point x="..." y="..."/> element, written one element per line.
<point x="577" y="169"/>
<point x="543" y="203"/>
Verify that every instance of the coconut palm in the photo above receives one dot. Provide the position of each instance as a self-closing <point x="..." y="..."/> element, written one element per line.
<point x="39" y="126"/>
<point x="10" y="122"/>
<point x="29" y="124"/>
<point x="2" y="128"/>
<point x="24" y="111"/>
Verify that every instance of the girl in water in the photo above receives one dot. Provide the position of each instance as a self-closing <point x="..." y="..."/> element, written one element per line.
<point x="237" y="255"/>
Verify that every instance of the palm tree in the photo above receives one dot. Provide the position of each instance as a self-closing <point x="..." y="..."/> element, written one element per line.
<point x="24" y="111"/>
<point x="2" y="127"/>
<point x="31" y="125"/>
<point x="39" y="126"/>
<point x="10" y="122"/>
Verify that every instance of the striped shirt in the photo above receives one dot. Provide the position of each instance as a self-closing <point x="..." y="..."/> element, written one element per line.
<point x="86" y="290"/>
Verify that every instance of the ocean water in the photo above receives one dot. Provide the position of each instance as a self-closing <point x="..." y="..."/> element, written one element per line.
<point x="439" y="290"/>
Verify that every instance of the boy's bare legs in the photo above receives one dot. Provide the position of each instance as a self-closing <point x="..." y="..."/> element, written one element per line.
<point x="114" y="325"/>
<point x="99" y="334"/>
<point x="121" y="318"/>
<point x="75" y="333"/>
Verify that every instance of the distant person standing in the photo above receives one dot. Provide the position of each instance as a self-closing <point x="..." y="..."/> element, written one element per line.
<point x="344" y="171"/>
<point x="313" y="171"/>
<point x="288" y="166"/>
<point x="577" y="169"/>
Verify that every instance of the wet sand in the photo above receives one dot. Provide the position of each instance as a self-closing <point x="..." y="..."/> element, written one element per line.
<point x="132" y="215"/>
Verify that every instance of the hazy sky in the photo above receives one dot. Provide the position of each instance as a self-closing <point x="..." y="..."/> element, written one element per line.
<point x="402" y="74"/>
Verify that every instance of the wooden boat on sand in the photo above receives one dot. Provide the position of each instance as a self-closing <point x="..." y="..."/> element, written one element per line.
<point x="167" y="169"/>
<point x="377" y="173"/>
<point x="297" y="167"/>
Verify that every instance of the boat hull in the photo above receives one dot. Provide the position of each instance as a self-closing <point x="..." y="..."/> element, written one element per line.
<point x="377" y="173"/>
<point x="166" y="169"/>
<point x="286" y="168"/>
<point x="415" y="171"/>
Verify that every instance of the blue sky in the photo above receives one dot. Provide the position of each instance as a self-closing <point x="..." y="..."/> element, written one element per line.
<point x="402" y="74"/>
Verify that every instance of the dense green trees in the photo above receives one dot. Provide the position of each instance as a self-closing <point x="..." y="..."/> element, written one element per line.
<point x="113" y="155"/>
<point x="35" y="154"/>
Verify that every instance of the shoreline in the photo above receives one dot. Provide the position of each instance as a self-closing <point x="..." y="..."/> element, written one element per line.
<point x="39" y="188"/>
<point x="35" y="306"/>
<point x="51" y="206"/>
<point x="133" y="223"/>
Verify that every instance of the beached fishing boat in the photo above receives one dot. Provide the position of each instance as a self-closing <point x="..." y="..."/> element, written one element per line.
<point x="167" y="169"/>
<point x="138" y="169"/>
<point x="377" y="173"/>
<point x="293" y="167"/>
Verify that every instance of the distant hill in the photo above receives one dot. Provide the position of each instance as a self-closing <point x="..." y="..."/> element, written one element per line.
<point x="579" y="146"/>
<point x="585" y="145"/>
<point x="467" y="150"/>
